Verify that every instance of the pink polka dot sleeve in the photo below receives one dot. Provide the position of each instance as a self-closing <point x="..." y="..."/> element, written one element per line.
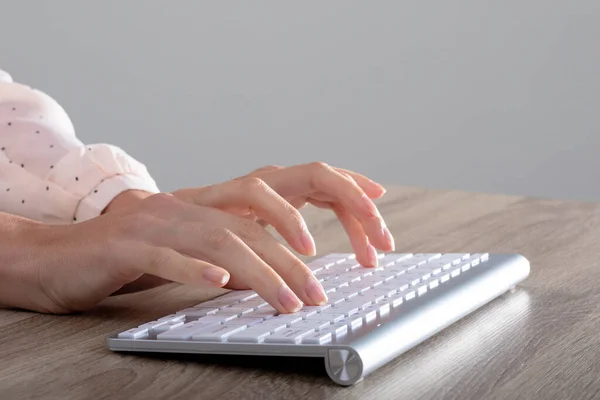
<point x="46" y="173"/>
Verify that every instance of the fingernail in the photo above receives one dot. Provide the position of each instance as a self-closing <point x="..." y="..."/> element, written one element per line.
<point x="387" y="235"/>
<point x="307" y="242"/>
<point x="315" y="291"/>
<point x="379" y="186"/>
<point x="371" y="208"/>
<point x="372" y="255"/>
<point x="389" y="238"/>
<point x="216" y="276"/>
<point x="288" y="299"/>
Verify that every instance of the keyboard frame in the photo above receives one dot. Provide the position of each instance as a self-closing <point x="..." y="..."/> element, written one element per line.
<point x="370" y="347"/>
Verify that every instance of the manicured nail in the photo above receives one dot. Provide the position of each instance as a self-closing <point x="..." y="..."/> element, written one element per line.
<point x="389" y="238"/>
<point x="372" y="255"/>
<point x="288" y="299"/>
<point x="378" y="186"/>
<point x="216" y="276"/>
<point x="307" y="242"/>
<point x="370" y="206"/>
<point x="315" y="291"/>
<point x="387" y="235"/>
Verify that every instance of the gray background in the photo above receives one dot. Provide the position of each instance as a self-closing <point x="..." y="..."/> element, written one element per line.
<point x="497" y="96"/>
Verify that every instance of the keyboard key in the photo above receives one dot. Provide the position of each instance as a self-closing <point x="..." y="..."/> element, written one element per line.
<point x="172" y="318"/>
<point x="339" y="330"/>
<point x="210" y="319"/>
<point x="317" y="338"/>
<point x="240" y="295"/>
<point x="370" y="315"/>
<point x="244" y="321"/>
<point x="217" y="303"/>
<point x="198" y="312"/>
<point x="319" y="324"/>
<point x="453" y="258"/>
<point x="354" y="322"/>
<point x="216" y="333"/>
<point x="289" y="335"/>
<point x="166" y="326"/>
<point x="250" y="335"/>
<point x="134" y="333"/>
<point x="478" y="258"/>
<point x="273" y="326"/>
<point x="307" y="311"/>
<point x="185" y="332"/>
<point x="324" y="307"/>
<point x="396" y="301"/>
<point x="384" y="310"/>
<point x="388" y="289"/>
<point x="254" y="303"/>
<point x="287" y="319"/>
<point x="395" y="258"/>
<point x="264" y="312"/>
<point x="238" y="310"/>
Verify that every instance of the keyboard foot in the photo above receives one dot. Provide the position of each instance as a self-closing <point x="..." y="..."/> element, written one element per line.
<point x="344" y="366"/>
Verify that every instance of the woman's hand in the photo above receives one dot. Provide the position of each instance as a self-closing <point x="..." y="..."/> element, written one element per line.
<point x="347" y="193"/>
<point x="71" y="268"/>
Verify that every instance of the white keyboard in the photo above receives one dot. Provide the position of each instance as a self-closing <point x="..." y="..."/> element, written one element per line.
<point x="373" y="314"/>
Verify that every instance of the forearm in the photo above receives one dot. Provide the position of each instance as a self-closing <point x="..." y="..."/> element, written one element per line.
<point x="19" y="257"/>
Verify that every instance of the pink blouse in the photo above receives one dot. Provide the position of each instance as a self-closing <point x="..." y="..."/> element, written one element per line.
<point x="46" y="173"/>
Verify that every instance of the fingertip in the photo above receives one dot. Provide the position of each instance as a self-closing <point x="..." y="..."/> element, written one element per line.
<point x="288" y="300"/>
<point x="372" y="189"/>
<point x="216" y="276"/>
<point x="371" y="256"/>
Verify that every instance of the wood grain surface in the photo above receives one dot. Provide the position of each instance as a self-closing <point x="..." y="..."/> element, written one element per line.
<point x="540" y="342"/>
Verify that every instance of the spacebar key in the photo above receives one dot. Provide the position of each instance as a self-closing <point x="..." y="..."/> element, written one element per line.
<point x="289" y="335"/>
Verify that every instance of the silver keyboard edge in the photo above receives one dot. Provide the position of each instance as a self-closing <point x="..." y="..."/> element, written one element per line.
<point x="419" y="319"/>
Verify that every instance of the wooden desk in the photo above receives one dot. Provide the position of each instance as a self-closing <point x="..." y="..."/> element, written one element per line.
<point x="541" y="342"/>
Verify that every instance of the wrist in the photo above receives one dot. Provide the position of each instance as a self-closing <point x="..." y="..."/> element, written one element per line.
<point x="19" y="259"/>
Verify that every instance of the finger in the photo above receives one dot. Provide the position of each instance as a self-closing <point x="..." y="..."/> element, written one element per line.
<point x="365" y="252"/>
<point x="166" y="263"/>
<point x="291" y="269"/>
<point x="210" y="240"/>
<point x="267" y="168"/>
<point x="260" y="200"/>
<point x="260" y="171"/>
<point x="319" y="177"/>
<point x="276" y="257"/>
<point x="373" y="189"/>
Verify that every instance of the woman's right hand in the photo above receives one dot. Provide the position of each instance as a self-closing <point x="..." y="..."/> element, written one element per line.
<point x="72" y="268"/>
